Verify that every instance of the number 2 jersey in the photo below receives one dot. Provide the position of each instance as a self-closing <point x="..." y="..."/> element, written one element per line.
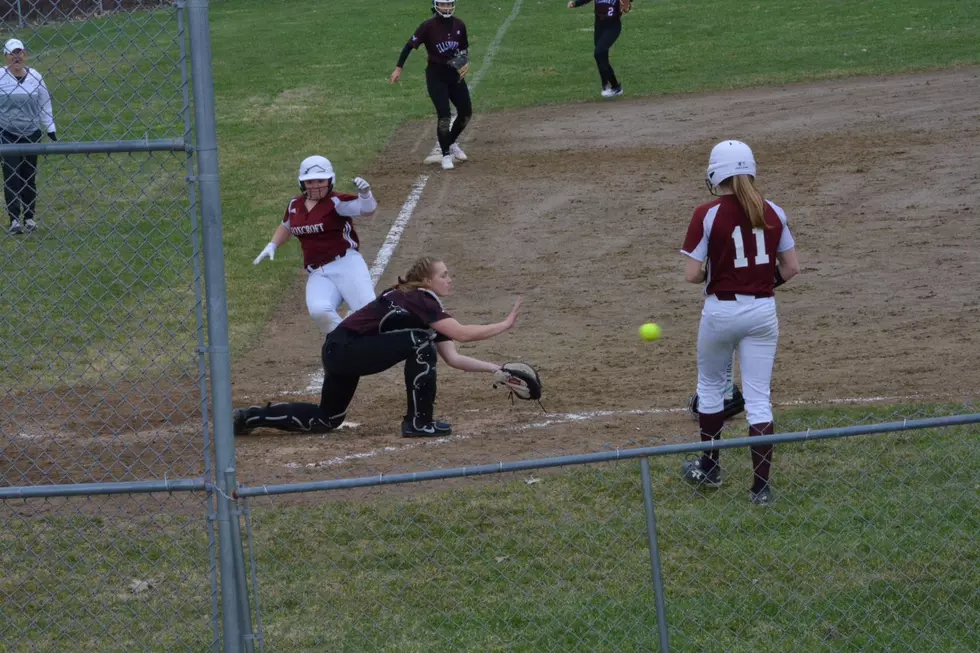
<point x="604" y="9"/>
<point x="741" y="259"/>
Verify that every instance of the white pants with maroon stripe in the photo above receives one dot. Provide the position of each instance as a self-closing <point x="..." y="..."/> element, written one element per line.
<point x="750" y="325"/>
<point x="344" y="279"/>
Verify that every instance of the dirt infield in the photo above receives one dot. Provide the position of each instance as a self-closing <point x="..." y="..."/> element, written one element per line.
<point x="582" y="209"/>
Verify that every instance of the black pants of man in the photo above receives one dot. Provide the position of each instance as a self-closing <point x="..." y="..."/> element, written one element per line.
<point x="346" y="358"/>
<point x="606" y="33"/>
<point x="445" y="87"/>
<point x="20" y="177"/>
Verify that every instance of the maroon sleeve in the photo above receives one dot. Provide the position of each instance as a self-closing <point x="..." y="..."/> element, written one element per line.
<point x="289" y="210"/>
<point x="438" y="313"/>
<point x="345" y="197"/>
<point x="695" y="232"/>
<point x="420" y="35"/>
<point x="428" y="308"/>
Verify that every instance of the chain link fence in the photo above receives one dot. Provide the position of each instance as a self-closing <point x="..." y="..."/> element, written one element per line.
<point x="22" y="13"/>
<point x="115" y="519"/>
<point x="104" y="378"/>
<point x="870" y="545"/>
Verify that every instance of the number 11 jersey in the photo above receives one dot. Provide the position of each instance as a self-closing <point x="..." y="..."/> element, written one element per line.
<point x="741" y="259"/>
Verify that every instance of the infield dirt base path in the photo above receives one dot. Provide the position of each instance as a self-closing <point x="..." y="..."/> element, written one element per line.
<point x="582" y="209"/>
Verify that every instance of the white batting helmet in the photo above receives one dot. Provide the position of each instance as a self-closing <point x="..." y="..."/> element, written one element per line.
<point x="447" y="9"/>
<point x="729" y="158"/>
<point x="316" y="167"/>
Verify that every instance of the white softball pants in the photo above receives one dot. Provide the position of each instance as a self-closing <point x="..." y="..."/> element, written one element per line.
<point x="346" y="279"/>
<point x="750" y="325"/>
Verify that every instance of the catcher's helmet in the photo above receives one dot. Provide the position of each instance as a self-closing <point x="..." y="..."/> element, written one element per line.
<point x="729" y="158"/>
<point x="444" y="8"/>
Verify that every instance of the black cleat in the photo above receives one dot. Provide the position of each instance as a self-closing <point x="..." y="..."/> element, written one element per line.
<point x="695" y="475"/>
<point x="763" y="497"/>
<point x="433" y="429"/>
<point x="241" y="418"/>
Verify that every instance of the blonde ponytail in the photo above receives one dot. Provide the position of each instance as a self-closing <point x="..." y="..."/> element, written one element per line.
<point x="418" y="274"/>
<point x="751" y="200"/>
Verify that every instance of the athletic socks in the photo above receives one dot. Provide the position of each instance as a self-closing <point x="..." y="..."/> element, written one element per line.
<point x="761" y="456"/>
<point x="711" y="425"/>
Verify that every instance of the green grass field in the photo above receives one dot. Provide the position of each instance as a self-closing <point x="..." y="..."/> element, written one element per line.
<point x="298" y="76"/>
<point x="870" y="546"/>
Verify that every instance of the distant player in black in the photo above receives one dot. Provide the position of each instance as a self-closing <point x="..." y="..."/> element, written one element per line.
<point x="405" y="323"/>
<point x="607" y="29"/>
<point x="445" y="41"/>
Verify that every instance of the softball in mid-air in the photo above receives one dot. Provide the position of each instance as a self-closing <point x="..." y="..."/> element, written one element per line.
<point x="650" y="331"/>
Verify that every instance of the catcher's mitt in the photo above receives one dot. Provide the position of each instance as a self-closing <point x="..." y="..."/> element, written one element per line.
<point x="520" y="379"/>
<point x="459" y="60"/>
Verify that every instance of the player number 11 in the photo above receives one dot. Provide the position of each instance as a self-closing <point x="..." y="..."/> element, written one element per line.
<point x="761" y="258"/>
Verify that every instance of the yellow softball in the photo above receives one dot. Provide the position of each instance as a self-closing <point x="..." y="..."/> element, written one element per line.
<point x="650" y="331"/>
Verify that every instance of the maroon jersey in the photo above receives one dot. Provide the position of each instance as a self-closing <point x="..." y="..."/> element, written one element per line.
<point x="443" y="38"/>
<point x="326" y="232"/>
<point x="740" y="259"/>
<point x="604" y="9"/>
<point x="396" y="310"/>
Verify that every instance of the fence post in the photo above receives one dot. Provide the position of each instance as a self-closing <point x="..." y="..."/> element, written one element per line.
<point x="241" y="583"/>
<point x="217" y="311"/>
<point x="20" y="15"/>
<point x="658" y="583"/>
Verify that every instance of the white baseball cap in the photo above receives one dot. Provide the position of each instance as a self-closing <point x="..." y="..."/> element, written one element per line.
<point x="13" y="44"/>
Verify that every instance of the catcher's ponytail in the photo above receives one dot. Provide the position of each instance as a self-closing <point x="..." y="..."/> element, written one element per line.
<point x="751" y="200"/>
<point x="418" y="274"/>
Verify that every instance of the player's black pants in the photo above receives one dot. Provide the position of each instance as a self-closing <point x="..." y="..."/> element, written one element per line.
<point x="19" y="177"/>
<point x="445" y="86"/>
<point x="606" y="33"/>
<point x="346" y="358"/>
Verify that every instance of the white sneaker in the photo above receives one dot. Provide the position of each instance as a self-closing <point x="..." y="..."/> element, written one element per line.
<point x="15" y="228"/>
<point x="457" y="152"/>
<point x="447" y="162"/>
<point x="607" y="92"/>
<point x="29" y="225"/>
<point x="433" y="159"/>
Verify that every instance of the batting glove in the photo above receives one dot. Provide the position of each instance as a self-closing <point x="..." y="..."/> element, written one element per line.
<point x="269" y="252"/>
<point x="363" y="187"/>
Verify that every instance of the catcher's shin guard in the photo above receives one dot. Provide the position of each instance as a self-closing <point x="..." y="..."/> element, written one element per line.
<point x="733" y="406"/>
<point x="292" y="418"/>
<point x="420" y="381"/>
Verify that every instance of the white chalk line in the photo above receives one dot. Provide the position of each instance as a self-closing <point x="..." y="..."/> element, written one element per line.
<point x="565" y="418"/>
<point x="408" y="208"/>
<point x="340" y="460"/>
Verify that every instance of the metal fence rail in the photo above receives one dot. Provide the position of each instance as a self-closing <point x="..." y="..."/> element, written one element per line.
<point x="847" y="558"/>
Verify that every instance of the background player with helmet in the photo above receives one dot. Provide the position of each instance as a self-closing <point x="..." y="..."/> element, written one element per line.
<point x="608" y="27"/>
<point x="746" y="243"/>
<point x="447" y="45"/>
<point x="405" y="323"/>
<point x="322" y="220"/>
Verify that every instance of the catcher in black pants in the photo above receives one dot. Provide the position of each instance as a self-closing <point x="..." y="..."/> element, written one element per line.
<point x="608" y="26"/>
<point x="446" y="44"/>
<point x="405" y="323"/>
